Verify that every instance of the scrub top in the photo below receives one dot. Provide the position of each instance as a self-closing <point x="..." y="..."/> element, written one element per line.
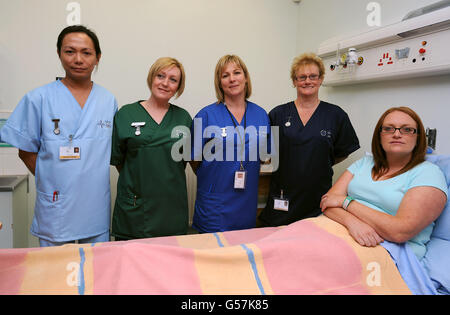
<point x="151" y="189"/>
<point x="307" y="154"/>
<point x="72" y="195"/>
<point x="219" y="205"/>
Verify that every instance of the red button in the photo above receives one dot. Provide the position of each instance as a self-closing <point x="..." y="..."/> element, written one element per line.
<point x="422" y="50"/>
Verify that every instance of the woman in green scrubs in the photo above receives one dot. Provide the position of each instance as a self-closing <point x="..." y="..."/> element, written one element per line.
<point x="151" y="190"/>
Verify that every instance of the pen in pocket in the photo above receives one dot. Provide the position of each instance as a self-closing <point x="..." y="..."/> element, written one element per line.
<point x="55" y="195"/>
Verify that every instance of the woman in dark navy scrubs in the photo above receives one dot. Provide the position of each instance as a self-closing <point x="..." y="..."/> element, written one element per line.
<point x="314" y="136"/>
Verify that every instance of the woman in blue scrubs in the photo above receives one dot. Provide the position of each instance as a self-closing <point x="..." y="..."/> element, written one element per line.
<point x="63" y="132"/>
<point x="228" y="137"/>
<point x="314" y="136"/>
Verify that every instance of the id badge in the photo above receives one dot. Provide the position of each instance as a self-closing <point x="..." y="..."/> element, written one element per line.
<point x="281" y="203"/>
<point x="240" y="179"/>
<point x="69" y="153"/>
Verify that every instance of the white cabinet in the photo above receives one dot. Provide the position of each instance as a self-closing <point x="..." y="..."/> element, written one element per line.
<point x="14" y="211"/>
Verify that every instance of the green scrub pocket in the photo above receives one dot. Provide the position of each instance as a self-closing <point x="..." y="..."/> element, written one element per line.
<point x="128" y="217"/>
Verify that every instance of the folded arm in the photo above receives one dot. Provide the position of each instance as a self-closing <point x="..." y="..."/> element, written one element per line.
<point x="419" y="207"/>
<point x="331" y="205"/>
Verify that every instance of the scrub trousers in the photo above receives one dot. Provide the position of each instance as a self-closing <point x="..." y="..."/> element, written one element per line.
<point x="95" y="239"/>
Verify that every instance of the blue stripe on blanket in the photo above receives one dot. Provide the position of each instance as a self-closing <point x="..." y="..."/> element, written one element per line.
<point x="251" y="258"/>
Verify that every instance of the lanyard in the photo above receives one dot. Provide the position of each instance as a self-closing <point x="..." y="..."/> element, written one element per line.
<point x="232" y="119"/>
<point x="239" y="134"/>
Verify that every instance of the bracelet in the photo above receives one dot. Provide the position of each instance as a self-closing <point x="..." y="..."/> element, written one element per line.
<point x="346" y="202"/>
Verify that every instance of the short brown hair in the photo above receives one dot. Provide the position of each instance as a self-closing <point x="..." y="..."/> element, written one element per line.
<point x="163" y="63"/>
<point x="218" y="74"/>
<point x="304" y="60"/>
<point x="381" y="166"/>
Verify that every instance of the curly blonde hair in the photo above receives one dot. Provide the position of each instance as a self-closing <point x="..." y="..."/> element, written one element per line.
<point x="304" y="60"/>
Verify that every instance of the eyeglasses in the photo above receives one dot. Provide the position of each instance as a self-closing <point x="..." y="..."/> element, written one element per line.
<point x="403" y="130"/>
<point x="312" y="77"/>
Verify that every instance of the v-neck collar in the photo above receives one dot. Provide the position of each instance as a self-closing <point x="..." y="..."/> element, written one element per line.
<point x="294" y="109"/>
<point x="86" y="104"/>
<point x="150" y="116"/>
<point x="234" y="120"/>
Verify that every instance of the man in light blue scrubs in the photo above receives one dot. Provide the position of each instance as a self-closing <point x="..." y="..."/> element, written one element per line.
<point x="63" y="132"/>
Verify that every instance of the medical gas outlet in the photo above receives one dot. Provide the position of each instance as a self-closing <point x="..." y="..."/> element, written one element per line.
<point x="349" y="59"/>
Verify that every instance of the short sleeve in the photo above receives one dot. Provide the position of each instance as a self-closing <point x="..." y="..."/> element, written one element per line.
<point x="359" y="165"/>
<point x="188" y="120"/>
<point x="198" y="126"/>
<point x="23" y="128"/>
<point x="270" y="138"/>
<point x="269" y="143"/>
<point x="275" y="118"/>
<point x="346" y="141"/>
<point x="116" y="106"/>
<point x="118" y="146"/>
<point x="272" y="117"/>
<point x="428" y="174"/>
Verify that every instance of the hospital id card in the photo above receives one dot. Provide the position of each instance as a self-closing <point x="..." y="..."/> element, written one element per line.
<point x="69" y="153"/>
<point x="239" y="179"/>
<point x="281" y="204"/>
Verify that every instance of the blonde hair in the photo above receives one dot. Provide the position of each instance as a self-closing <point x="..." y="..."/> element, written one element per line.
<point x="225" y="60"/>
<point x="304" y="60"/>
<point x="163" y="63"/>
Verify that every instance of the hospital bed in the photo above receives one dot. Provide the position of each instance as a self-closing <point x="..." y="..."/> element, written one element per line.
<point x="313" y="256"/>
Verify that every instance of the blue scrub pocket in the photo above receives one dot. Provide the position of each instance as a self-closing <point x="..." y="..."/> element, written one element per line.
<point x="208" y="215"/>
<point x="48" y="216"/>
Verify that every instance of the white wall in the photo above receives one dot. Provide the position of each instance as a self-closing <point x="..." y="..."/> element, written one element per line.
<point x="134" y="33"/>
<point x="320" y="20"/>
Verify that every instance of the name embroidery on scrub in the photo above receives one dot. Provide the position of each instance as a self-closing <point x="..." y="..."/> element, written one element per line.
<point x="104" y="124"/>
<point x="325" y="133"/>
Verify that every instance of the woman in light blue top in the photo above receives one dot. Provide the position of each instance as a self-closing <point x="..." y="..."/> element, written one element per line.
<point x="63" y="132"/>
<point x="395" y="195"/>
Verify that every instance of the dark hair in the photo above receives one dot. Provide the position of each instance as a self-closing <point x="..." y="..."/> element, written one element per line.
<point x="381" y="166"/>
<point x="78" y="29"/>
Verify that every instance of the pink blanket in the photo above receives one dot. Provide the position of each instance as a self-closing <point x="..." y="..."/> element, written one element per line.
<point x="314" y="256"/>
